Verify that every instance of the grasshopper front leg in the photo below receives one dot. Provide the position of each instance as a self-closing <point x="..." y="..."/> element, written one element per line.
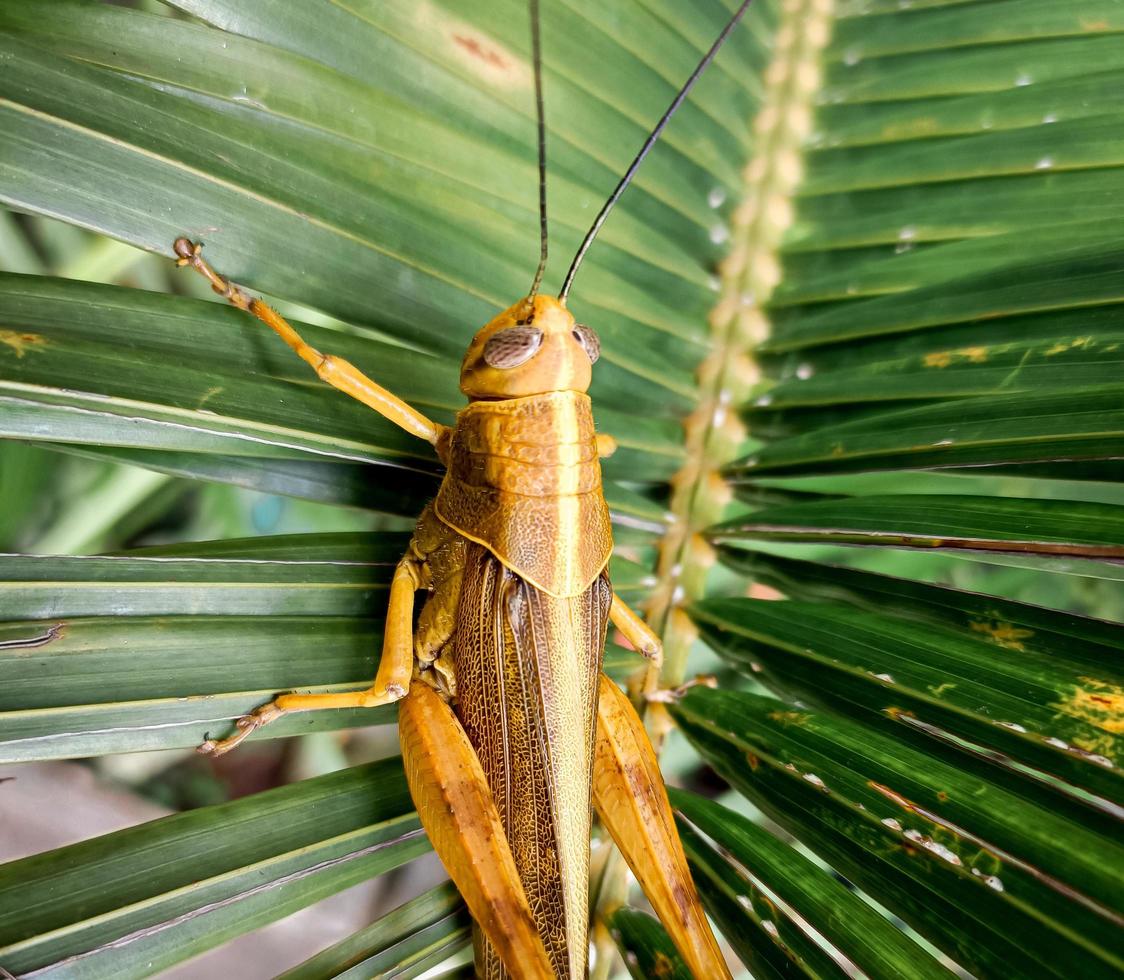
<point x="336" y="371"/>
<point x="630" y="797"/>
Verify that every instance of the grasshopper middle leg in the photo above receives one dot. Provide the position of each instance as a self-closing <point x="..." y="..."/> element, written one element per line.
<point x="391" y="683"/>
<point x="432" y="563"/>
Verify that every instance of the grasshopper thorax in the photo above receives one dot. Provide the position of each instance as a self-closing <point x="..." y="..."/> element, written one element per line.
<point x="531" y="348"/>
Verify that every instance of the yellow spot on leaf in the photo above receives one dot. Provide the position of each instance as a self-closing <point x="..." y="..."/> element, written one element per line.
<point x="922" y="126"/>
<point x="787" y="718"/>
<point x="940" y="689"/>
<point x="663" y="967"/>
<point x="1061" y="346"/>
<point x="20" y="342"/>
<point x="1003" y="634"/>
<point x="943" y="358"/>
<point x="209" y="394"/>
<point x="1099" y="703"/>
<point x="1094" y="26"/>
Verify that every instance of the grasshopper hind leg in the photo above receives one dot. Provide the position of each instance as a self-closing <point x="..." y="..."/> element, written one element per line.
<point x="629" y="795"/>
<point x="459" y="815"/>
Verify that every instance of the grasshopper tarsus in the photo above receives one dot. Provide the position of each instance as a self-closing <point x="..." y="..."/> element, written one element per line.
<point x="244" y="728"/>
<point x="191" y="253"/>
<point x="671" y="695"/>
<point x="186" y="249"/>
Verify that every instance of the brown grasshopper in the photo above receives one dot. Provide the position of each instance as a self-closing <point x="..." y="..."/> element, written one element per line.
<point x="507" y="725"/>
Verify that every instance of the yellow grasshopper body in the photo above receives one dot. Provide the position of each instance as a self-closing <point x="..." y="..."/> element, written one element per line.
<point x="523" y="493"/>
<point x="509" y="730"/>
<point x="507" y="725"/>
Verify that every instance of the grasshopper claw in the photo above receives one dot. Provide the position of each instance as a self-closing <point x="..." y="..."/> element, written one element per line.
<point x="246" y="726"/>
<point x="669" y="695"/>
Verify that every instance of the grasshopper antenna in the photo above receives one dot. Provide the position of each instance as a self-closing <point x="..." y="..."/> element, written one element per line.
<point x="536" y="59"/>
<point x="648" y="144"/>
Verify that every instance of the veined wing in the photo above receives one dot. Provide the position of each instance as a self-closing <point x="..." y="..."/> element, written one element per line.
<point x="527" y="670"/>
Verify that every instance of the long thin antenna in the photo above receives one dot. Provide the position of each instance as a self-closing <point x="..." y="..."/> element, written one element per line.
<point x="536" y="58"/>
<point x="648" y="144"/>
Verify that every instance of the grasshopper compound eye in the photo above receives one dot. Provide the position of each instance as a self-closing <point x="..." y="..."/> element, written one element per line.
<point x="589" y="341"/>
<point x="512" y="347"/>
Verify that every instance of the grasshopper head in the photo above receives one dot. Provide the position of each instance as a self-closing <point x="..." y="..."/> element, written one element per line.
<point x="532" y="348"/>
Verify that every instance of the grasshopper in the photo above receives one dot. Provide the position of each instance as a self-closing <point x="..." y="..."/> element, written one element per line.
<point x="508" y="727"/>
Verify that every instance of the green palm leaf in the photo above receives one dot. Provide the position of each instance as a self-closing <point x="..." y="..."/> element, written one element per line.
<point x="880" y="239"/>
<point x="148" y="897"/>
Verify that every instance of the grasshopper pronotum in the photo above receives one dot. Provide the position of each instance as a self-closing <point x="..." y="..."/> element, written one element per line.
<point x="507" y="725"/>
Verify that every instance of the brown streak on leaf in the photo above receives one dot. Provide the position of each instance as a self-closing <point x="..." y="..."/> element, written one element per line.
<point x="35" y="642"/>
<point x="1110" y="552"/>
<point x="476" y="49"/>
<point x="469" y="49"/>
<point x="891" y="795"/>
